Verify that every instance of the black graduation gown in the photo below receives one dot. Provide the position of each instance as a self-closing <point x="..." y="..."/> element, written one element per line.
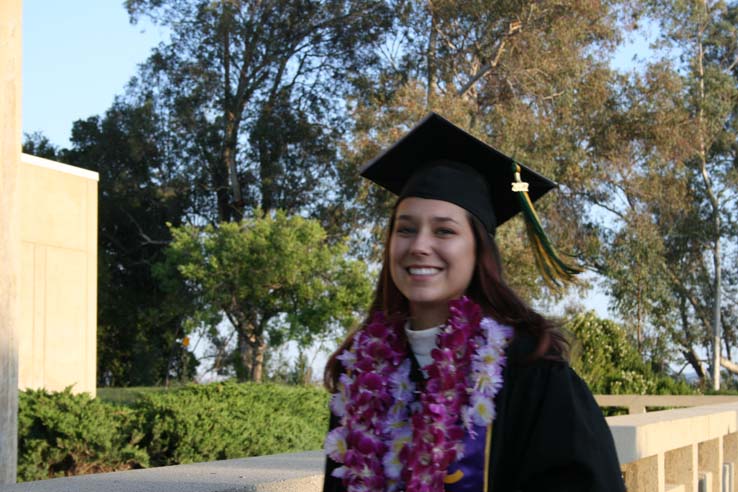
<point x="549" y="435"/>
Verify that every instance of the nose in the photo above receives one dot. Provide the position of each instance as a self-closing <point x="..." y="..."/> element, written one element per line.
<point x="421" y="244"/>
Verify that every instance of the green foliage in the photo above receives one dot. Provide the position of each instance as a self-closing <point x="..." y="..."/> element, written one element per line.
<point x="610" y="364"/>
<point x="128" y="396"/>
<point x="275" y="105"/>
<point x="526" y="77"/>
<point x="669" y="196"/>
<point x="252" y="92"/>
<point x="67" y="434"/>
<point x="228" y="420"/>
<point x="274" y="277"/>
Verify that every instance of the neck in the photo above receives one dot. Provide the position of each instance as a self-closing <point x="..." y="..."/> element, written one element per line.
<point x="423" y="317"/>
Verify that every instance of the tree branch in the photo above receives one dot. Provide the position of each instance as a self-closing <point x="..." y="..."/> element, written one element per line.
<point x="513" y="27"/>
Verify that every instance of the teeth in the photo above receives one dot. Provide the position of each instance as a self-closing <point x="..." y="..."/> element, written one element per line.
<point x="422" y="271"/>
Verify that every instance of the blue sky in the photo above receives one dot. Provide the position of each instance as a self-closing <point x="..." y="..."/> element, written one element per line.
<point x="77" y="56"/>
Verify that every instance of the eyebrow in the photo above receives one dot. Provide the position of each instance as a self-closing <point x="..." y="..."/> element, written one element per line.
<point x="434" y="219"/>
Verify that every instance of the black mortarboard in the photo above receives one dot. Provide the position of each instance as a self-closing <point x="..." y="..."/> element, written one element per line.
<point x="438" y="160"/>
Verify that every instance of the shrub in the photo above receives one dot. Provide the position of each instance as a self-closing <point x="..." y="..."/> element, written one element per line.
<point x="230" y="420"/>
<point x="609" y="363"/>
<point x="66" y="434"/>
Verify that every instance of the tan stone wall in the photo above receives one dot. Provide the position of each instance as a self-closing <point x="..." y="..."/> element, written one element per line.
<point x="10" y="147"/>
<point x="58" y="286"/>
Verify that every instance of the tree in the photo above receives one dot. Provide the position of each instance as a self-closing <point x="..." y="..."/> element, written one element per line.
<point x="523" y="76"/>
<point x="139" y="324"/>
<point x="667" y="175"/>
<point x="273" y="278"/>
<point x="240" y="109"/>
<point x="37" y="144"/>
<point x="251" y="92"/>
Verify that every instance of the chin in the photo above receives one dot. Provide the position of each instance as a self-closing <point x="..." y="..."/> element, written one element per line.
<point x="428" y="300"/>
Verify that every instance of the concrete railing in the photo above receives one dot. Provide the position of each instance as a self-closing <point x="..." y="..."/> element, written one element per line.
<point x="684" y="450"/>
<point x="640" y="403"/>
<point x="298" y="472"/>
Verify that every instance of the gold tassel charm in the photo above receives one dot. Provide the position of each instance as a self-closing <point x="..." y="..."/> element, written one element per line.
<point x="556" y="272"/>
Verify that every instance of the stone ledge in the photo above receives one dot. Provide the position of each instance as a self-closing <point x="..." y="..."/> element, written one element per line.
<point x="298" y="472"/>
<point x="640" y="436"/>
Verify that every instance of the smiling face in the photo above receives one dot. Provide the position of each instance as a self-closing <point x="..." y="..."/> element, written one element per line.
<point x="432" y="252"/>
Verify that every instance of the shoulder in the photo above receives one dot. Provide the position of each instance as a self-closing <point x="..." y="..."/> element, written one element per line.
<point x="545" y="386"/>
<point x="551" y="427"/>
<point x="523" y="349"/>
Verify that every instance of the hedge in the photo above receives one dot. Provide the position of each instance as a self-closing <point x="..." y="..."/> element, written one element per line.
<point x="610" y="363"/>
<point x="66" y="434"/>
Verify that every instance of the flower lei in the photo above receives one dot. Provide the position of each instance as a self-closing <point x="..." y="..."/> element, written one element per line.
<point x="388" y="441"/>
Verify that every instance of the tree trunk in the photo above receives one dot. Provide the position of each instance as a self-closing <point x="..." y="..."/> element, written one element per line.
<point x="243" y="370"/>
<point x="258" y="349"/>
<point x="431" y="58"/>
<point x="230" y="140"/>
<point x="229" y="160"/>
<point x="716" y="325"/>
<point x="696" y="364"/>
<point x="730" y="366"/>
<point x="219" y="182"/>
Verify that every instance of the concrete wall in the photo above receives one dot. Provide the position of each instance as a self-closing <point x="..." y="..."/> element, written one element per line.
<point x="58" y="285"/>
<point x="675" y="450"/>
<point x="10" y="147"/>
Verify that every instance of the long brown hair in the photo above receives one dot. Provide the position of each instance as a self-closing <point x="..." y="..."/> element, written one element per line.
<point x="487" y="288"/>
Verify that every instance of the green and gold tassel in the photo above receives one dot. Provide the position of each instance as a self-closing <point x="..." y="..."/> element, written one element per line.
<point x="556" y="272"/>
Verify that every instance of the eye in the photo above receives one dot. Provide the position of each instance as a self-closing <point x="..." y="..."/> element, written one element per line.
<point x="445" y="231"/>
<point x="405" y="229"/>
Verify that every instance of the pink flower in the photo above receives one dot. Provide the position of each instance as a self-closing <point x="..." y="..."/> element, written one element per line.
<point x="394" y="442"/>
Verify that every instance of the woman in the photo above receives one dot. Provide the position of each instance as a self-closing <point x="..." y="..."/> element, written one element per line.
<point x="449" y="349"/>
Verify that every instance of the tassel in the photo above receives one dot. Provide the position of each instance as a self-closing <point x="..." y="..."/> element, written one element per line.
<point x="556" y="272"/>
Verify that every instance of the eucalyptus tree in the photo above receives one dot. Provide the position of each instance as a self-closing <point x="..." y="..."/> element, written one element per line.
<point x="668" y="176"/>
<point x="252" y="92"/>
<point x="528" y="77"/>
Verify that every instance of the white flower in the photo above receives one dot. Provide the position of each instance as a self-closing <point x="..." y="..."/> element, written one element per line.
<point x="497" y="334"/>
<point x="396" y="416"/>
<point x="466" y="419"/>
<point x="488" y="323"/>
<point x="338" y="404"/>
<point x="392" y="465"/>
<point x="400" y="385"/>
<point x="495" y="377"/>
<point x="482" y="410"/>
<point x="335" y="444"/>
<point x="348" y="359"/>
<point x="484" y="383"/>
<point x="391" y="461"/>
<point x="488" y="355"/>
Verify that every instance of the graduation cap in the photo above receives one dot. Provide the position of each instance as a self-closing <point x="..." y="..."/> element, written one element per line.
<point x="438" y="160"/>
